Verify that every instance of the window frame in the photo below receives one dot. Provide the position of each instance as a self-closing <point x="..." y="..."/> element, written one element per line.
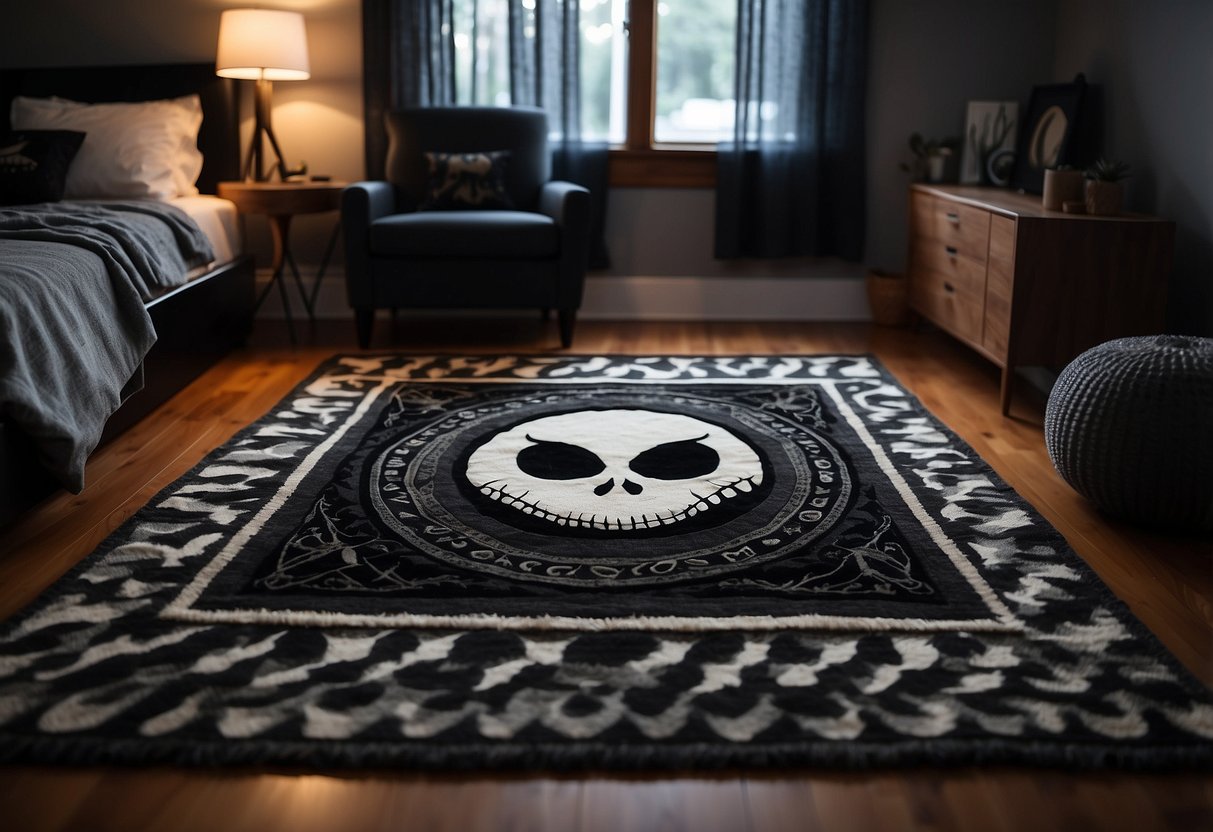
<point x="641" y="162"/>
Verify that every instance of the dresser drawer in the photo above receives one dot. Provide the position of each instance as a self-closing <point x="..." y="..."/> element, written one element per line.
<point x="950" y="292"/>
<point x="962" y="228"/>
<point x="938" y="256"/>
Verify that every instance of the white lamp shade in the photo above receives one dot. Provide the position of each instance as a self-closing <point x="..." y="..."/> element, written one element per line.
<point x="262" y="43"/>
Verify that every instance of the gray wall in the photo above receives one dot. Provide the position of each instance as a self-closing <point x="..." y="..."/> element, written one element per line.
<point x="1155" y="63"/>
<point x="927" y="60"/>
<point x="83" y="33"/>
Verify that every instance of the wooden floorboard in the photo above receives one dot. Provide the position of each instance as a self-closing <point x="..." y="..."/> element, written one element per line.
<point x="1166" y="580"/>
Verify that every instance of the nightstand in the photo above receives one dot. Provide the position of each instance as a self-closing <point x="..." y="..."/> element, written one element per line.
<point x="280" y="202"/>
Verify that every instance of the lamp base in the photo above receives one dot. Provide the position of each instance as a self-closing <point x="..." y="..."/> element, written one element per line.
<point x="253" y="169"/>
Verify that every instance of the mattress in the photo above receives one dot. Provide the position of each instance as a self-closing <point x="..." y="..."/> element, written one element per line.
<point x="218" y="220"/>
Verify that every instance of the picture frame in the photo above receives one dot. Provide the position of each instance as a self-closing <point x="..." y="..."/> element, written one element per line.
<point x="989" y="142"/>
<point x="1046" y="138"/>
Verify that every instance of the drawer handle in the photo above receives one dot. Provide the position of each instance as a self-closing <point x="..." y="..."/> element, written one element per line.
<point x="951" y="250"/>
<point x="953" y="218"/>
<point x="948" y="287"/>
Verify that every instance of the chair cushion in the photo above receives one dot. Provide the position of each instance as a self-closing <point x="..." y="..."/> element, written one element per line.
<point x="504" y="234"/>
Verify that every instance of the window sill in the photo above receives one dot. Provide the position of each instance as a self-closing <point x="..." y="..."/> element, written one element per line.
<point x="676" y="167"/>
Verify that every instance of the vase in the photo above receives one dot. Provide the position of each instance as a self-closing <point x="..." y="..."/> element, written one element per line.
<point x="1104" y="199"/>
<point x="1062" y="186"/>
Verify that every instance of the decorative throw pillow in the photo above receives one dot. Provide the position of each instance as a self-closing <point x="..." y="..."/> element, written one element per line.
<point x="34" y="164"/>
<point x="462" y="181"/>
<point x="143" y="149"/>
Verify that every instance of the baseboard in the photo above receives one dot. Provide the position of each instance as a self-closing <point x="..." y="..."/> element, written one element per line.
<point x="641" y="298"/>
<point x="638" y="298"/>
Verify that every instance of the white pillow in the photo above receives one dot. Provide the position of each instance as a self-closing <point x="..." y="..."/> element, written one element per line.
<point x="140" y="150"/>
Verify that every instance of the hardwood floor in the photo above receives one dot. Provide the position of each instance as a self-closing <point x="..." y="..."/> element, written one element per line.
<point x="1167" y="581"/>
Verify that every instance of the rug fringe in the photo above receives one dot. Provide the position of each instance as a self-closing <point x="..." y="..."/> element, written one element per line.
<point x="551" y="757"/>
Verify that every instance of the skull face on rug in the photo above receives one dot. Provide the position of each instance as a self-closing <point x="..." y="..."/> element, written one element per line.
<point x="614" y="469"/>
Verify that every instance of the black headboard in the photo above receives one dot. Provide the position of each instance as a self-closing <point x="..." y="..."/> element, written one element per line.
<point x="219" y="138"/>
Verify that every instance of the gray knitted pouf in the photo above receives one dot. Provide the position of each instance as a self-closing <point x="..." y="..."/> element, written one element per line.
<point x="1129" y="425"/>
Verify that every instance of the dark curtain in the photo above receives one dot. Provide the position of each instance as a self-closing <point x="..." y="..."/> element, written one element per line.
<point x="409" y="61"/>
<point x="545" y="71"/>
<point x="791" y="182"/>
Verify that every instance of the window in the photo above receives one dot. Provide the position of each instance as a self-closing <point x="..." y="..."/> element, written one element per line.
<point x="482" y="52"/>
<point x="657" y="85"/>
<point x="691" y="59"/>
<point x="680" y="70"/>
<point x="482" y="57"/>
<point x="694" y="100"/>
<point x="604" y="66"/>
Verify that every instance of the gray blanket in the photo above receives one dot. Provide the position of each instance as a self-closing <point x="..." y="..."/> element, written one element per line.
<point x="74" y="278"/>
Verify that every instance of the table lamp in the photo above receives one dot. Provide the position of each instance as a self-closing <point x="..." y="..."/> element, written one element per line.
<point x="263" y="45"/>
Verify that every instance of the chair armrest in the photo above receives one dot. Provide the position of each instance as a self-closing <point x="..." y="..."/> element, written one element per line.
<point x="361" y="204"/>
<point x="569" y="206"/>
<point x="565" y="203"/>
<point x="365" y="202"/>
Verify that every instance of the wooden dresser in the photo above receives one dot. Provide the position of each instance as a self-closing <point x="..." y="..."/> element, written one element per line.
<point x="1029" y="287"/>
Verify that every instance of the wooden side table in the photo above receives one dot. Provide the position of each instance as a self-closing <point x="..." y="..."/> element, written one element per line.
<point x="280" y="202"/>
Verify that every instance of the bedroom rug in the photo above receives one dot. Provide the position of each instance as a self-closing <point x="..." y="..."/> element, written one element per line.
<point x="577" y="562"/>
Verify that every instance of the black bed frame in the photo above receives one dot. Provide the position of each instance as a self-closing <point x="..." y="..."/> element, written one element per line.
<point x="197" y="323"/>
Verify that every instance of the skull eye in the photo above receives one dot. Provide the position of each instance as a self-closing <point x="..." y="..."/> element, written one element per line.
<point x="558" y="461"/>
<point x="676" y="460"/>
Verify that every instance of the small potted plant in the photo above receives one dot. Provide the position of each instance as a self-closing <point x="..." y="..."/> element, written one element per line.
<point x="1105" y="194"/>
<point x="930" y="157"/>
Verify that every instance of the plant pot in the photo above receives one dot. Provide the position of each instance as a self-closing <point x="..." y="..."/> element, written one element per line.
<point x="888" y="298"/>
<point x="937" y="166"/>
<point x="1062" y="186"/>
<point x="1104" y="199"/>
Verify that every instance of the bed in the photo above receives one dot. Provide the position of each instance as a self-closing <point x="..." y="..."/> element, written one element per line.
<point x="198" y="309"/>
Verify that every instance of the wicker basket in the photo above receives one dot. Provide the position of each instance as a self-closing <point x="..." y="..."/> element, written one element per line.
<point x="888" y="298"/>
<point x="1129" y="425"/>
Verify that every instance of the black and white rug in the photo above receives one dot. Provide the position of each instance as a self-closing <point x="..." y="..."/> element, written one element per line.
<point x="592" y="562"/>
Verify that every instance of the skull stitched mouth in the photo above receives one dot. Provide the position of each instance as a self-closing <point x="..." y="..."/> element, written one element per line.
<point x="615" y="470"/>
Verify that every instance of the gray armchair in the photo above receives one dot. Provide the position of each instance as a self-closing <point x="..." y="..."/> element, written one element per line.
<point x="533" y="255"/>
